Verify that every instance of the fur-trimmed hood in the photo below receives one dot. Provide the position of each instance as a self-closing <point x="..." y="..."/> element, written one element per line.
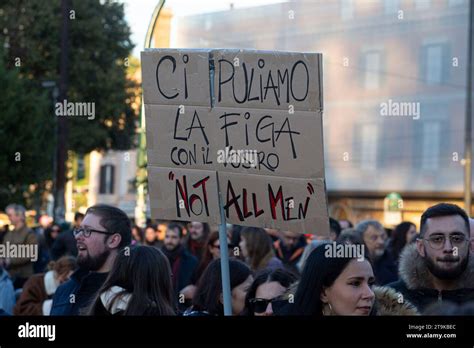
<point x="386" y="301"/>
<point x="415" y="274"/>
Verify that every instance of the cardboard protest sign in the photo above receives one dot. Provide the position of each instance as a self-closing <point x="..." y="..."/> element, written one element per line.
<point x="269" y="142"/>
<point x="180" y="136"/>
<point x="250" y="122"/>
<point x="189" y="195"/>
<point x="276" y="202"/>
<point x="255" y="141"/>
<point x="268" y="80"/>
<point x="178" y="77"/>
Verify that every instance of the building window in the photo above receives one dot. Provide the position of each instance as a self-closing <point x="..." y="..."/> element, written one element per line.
<point x="432" y="63"/>
<point x="368" y="150"/>
<point x="107" y="173"/>
<point x="372" y="63"/>
<point x="347" y="9"/>
<point x="430" y="146"/>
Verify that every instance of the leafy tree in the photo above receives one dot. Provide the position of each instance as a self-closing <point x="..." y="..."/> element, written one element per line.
<point x="26" y="133"/>
<point x="99" y="47"/>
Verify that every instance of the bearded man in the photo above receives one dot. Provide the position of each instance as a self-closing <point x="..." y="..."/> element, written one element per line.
<point x="438" y="267"/>
<point x="104" y="231"/>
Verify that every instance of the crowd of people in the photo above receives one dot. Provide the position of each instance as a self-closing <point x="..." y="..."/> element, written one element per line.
<point x="105" y="265"/>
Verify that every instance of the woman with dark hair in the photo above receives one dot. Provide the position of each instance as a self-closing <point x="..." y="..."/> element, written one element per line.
<point x="256" y="246"/>
<point x="208" y="299"/>
<point x="137" y="235"/>
<point x="50" y="235"/>
<point x="264" y="293"/>
<point x="212" y="252"/>
<point x="332" y="284"/>
<point x="138" y="284"/>
<point x="402" y="235"/>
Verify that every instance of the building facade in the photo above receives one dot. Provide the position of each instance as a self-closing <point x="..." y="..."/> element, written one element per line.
<point x="394" y="91"/>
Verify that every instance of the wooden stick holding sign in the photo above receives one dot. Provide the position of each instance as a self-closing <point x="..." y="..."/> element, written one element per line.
<point x="224" y="249"/>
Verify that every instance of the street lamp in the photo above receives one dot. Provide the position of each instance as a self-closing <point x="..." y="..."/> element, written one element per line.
<point x="140" y="209"/>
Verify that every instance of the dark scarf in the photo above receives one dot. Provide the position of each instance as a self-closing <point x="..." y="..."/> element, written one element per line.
<point x="174" y="257"/>
<point x="196" y="247"/>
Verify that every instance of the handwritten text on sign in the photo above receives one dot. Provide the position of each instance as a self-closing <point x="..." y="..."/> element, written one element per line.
<point x="192" y="139"/>
<point x="248" y="121"/>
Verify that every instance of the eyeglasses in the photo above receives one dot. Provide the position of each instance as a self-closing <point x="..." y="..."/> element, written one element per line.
<point x="259" y="305"/>
<point x="437" y="241"/>
<point x="86" y="231"/>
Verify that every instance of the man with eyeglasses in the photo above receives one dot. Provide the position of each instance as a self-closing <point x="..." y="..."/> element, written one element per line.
<point x="104" y="231"/>
<point x="437" y="267"/>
